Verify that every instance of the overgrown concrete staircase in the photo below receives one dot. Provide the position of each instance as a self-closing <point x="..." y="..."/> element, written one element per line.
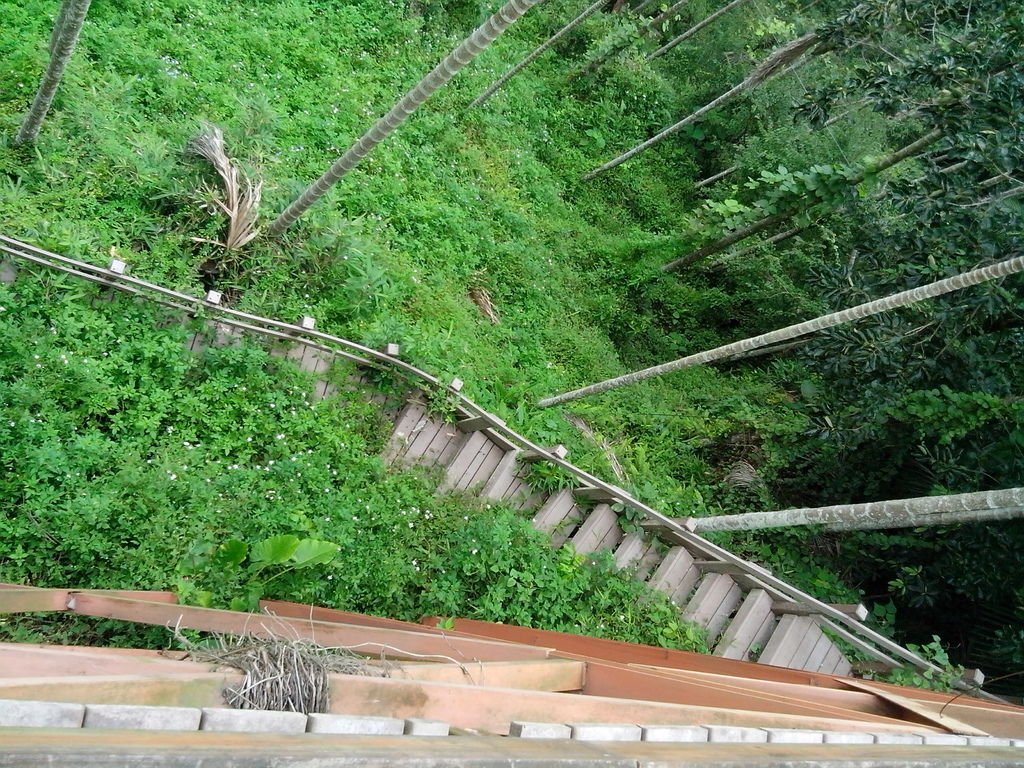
<point x="743" y="619"/>
<point x="749" y="613"/>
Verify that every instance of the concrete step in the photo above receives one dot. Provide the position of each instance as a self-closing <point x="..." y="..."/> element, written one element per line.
<point x="558" y="516"/>
<point x="751" y="627"/>
<point x="503" y="477"/>
<point x="599" y="531"/>
<point x="788" y="636"/>
<point x="676" y="576"/>
<point x="473" y="463"/>
<point x="405" y="430"/>
<point x="717" y="596"/>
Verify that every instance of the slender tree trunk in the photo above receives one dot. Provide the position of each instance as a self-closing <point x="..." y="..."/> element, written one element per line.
<point x="58" y="26"/>
<point x="650" y="29"/>
<point x="694" y="29"/>
<point x="498" y="84"/>
<point x="652" y="26"/>
<point x="776" y="238"/>
<point x="770" y="221"/>
<point x="879" y="515"/>
<point x="783" y="59"/>
<point x="62" y="45"/>
<point x="733" y="237"/>
<point x="466" y="51"/>
<point x="644" y="6"/>
<point x="712" y="179"/>
<point x="904" y="298"/>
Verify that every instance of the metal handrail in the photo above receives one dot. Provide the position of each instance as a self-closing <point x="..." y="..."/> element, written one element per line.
<point x="368" y="356"/>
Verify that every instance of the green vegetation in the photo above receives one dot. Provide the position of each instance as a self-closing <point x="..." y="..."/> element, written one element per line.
<point x="490" y="199"/>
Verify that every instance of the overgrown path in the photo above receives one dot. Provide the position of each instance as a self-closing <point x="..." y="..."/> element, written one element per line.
<point x="747" y="612"/>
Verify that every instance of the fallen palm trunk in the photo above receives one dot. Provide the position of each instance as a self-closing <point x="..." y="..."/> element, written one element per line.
<point x="498" y="84"/>
<point x="783" y="59"/>
<point x="904" y="298"/>
<point x="879" y="515"/>
<point x="910" y="150"/>
<point x="694" y="29"/>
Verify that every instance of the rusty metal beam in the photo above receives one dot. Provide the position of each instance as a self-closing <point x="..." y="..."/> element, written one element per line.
<point x="492" y="709"/>
<point x="621" y="681"/>
<point x="536" y="675"/>
<point x="32" y="660"/>
<point x="197" y="689"/>
<point x="398" y="644"/>
<point x="956" y="720"/>
<point x="630" y="653"/>
<point x="857" y="701"/>
<point x="31" y="600"/>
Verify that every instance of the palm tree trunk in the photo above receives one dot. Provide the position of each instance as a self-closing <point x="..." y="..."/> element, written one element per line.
<point x="770" y="221"/>
<point x="694" y="29"/>
<point x="58" y="26"/>
<point x="62" y="45"/>
<point x="878" y="515"/>
<point x="498" y="84"/>
<point x="650" y="29"/>
<point x="716" y="177"/>
<point x="652" y="26"/>
<point x="466" y="51"/>
<point x="783" y="59"/>
<point x="904" y="298"/>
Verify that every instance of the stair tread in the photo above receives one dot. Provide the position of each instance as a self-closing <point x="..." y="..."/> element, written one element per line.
<point x="677" y="575"/>
<point x="751" y="626"/>
<point x="785" y="640"/>
<point x="714" y="601"/>
<point x="599" y="531"/>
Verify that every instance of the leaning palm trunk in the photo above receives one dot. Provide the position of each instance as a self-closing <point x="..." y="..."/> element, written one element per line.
<point x="783" y="59"/>
<point x="466" y="51"/>
<point x="650" y="29"/>
<point x="716" y="177"/>
<point x="878" y="515"/>
<point x="693" y="30"/>
<point x="62" y="44"/>
<point x="768" y="222"/>
<point x="58" y="26"/>
<point x="902" y="299"/>
<point x="498" y="84"/>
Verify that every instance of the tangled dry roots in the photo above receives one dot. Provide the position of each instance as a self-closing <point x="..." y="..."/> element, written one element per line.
<point x="289" y="675"/>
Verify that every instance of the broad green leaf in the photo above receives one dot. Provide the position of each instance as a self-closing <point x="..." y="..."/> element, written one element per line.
<point x="231" y="553"/>
<point x="313" y="552"/>
<point x="275" y="550"/>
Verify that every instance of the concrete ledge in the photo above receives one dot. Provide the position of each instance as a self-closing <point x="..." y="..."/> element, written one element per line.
<point x="949" y="739"/>
<point x="850" y="737"/>
<point x="132" y="717"/>
<point x="526" y="730"/>
<point x="416" y="726"/>
<point x="898" y="738"/>
<point x="735" y="734"/>
<point x="605" y="732"/>
<point x="675" y="733"/>
<point x="94" y="748"/>
<point x="790" y="736"/>
<point x="252" y="721"/>
<point x="355" y="724"/>
<point x="15" y="713"/>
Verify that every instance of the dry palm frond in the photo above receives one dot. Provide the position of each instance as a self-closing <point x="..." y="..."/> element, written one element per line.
<point x="482" y="298"/>
<point x="281" y="674"/>
<point x="742" y="474"/>
<point x="600" y="442"/>
<point x="242" y="195"/>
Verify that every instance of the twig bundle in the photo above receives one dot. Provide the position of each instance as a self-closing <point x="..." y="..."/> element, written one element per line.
<point x="286" y="675"/>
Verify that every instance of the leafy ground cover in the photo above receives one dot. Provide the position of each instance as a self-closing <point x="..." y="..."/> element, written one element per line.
<point x="459" y="202"/>
<point x="130" y="462"/>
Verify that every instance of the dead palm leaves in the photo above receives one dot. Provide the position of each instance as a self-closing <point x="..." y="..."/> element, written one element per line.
<point x="241" y="195"/>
